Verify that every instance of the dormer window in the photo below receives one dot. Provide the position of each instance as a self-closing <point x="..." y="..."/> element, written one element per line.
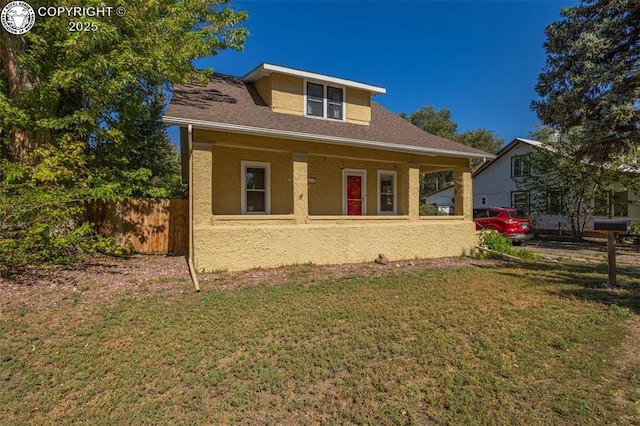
<point x="325" y="101"/>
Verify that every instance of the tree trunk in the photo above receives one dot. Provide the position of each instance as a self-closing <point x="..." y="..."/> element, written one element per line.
<point x="19" y="81"/>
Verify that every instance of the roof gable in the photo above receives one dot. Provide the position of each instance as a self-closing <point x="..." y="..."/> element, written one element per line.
<point x="504" y="151"/>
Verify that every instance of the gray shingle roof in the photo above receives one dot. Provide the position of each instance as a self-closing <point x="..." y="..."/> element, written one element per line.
<point x="231" y="101"/>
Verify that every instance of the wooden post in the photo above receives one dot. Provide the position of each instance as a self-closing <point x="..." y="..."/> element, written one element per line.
<point x="611" y="258"/>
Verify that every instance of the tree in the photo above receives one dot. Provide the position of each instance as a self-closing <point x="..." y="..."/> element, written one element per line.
<point x="439" y="123"/>
<point x="135" y="151"/>
<point x="591" y="78"/>
<point x="482" y="139"/>
<point x="80" y="111"/>
<point x="558" y="184"/>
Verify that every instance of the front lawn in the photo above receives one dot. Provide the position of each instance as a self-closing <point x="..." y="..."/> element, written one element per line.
<point x="490" y="344"/>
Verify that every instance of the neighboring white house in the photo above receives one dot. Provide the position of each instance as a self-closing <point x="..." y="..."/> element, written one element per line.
<point x="494" y="185"/>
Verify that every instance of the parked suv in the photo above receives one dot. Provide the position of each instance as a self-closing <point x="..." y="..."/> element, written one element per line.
<point x="511" y="223"/>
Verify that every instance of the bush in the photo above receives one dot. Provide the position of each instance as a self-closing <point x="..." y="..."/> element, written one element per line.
<point x="41" y="222"/>
<point x="501" y="245"/>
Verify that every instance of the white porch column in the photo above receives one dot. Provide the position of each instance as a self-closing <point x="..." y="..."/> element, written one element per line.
<point x="300" y="187"/>
<point x="463" y="192"/>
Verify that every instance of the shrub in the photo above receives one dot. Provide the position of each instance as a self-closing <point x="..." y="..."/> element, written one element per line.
<point x="501" y="245"/>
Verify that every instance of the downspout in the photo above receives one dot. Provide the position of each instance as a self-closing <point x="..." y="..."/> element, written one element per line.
<point x="192" y="271"/>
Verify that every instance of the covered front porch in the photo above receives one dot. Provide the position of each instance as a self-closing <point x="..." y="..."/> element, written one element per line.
<point x="266" y="202"/>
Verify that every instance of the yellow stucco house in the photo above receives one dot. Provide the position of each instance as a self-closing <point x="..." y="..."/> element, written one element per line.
<point x="288" y="166"/>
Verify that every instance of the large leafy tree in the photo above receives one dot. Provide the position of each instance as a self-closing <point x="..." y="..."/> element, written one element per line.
<point x="79" y="112"/>
<point x="439" y="123"/>
<point x="483" y="139"/>
<point x="436" y="122"/>
<point x="592" y="77"/>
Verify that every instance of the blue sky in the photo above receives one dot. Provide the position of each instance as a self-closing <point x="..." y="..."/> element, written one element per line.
<point x="479" y="59"/>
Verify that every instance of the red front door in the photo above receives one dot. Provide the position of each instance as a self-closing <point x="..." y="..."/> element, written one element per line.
<point x="354" y="195"/>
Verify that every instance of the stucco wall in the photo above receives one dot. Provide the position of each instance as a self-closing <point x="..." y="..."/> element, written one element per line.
<point x="286" y="94"/>
<point x="358" y="106"/>
<point x="244" y="246"/>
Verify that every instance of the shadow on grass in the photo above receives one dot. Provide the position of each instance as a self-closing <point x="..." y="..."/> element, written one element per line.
<point x="585" y="282"/>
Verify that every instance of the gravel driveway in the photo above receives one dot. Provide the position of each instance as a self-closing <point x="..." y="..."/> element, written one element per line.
<point x="592" y="250"/>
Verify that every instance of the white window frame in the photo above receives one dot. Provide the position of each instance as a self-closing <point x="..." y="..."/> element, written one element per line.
<point x="394" y="174"/>
<point x="363" y="173"/>
<point x="325" y="100"/>
<point x="522" y="160"/>
<point x="527" y="210"/>
<point x="243" y="185"/>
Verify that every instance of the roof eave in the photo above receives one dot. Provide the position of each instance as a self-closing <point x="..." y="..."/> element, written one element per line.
<point x="309" y="137"/>
<point x="266" y="69"/>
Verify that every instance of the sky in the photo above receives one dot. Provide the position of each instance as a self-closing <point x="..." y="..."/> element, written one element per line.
<point x="479" y="59"/>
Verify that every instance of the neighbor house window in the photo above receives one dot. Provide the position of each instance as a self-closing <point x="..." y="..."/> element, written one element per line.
<point x="519" y="166"/>
<point x="386" y="192"/>
<point x="619" y="203"/>
<point x="325" y="101"/>
<point x="520" y="200"/>
<point x="256" y="188"/>
<point x="553" y="202"/>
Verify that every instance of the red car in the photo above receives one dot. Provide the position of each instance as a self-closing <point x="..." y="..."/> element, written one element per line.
<point x="511" y="223"/>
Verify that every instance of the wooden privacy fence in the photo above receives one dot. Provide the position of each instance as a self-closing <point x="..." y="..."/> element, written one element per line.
<point x="144" y="225"/>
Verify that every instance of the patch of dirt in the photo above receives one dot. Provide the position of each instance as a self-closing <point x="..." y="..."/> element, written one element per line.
<point x="627" y="360"/>
<point x="308" y="274"/>
<point x="96" y="278"/>
<point x="105" y="279"/>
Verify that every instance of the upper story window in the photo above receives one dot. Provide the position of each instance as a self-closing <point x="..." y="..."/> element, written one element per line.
<point x="325" y="101"/>
<point x="519" y="166"/>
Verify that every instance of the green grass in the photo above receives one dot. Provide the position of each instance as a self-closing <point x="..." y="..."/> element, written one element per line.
<point x="523" y="344"/>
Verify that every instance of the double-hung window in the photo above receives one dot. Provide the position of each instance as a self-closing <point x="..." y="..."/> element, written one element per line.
<point x="315" y="100"/>
<point x="256" y="188"/>
<point x="519" y="166"/>
<point x="386" y="192"/>
<point x="334" y="103"/>
<point x="520" y="200"/>
<point x="325" y="101"/>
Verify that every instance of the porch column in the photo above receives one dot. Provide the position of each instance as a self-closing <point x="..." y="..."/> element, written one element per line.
<point x="202" y="181"/>
<point x="463" y="193"/>
<point x="300" y="187"/>
<point x="410" y="192"/>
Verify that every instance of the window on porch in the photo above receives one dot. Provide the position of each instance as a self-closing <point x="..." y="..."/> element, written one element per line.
<point x="256" y="188"/>
<point x="387" y="200"/>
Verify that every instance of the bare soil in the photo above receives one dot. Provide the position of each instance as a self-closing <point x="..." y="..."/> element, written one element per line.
<point x="105" y="279"/>
<point x="102" y="278"/>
